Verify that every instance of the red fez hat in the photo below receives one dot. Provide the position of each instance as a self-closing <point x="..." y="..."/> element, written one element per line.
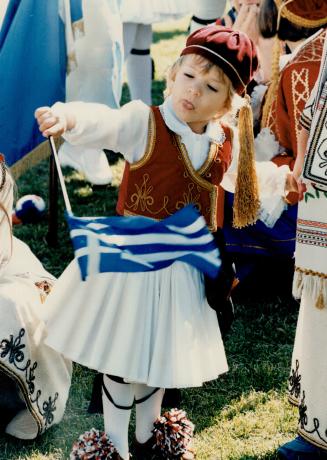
<point x="231" y="50"/>
<point x="303" y="13"/>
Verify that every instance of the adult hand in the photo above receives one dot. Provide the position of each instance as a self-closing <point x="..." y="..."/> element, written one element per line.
<point x="302" y="188"/>
<point x="247" y="21"/>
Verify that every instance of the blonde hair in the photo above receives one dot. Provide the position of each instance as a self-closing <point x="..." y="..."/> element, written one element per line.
<point x="3" y="209"/>
<point x="206" y="65"/>
<point x="6" y="190"/>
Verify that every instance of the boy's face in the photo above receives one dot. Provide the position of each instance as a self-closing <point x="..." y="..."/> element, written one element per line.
<point x="198" y="95"/>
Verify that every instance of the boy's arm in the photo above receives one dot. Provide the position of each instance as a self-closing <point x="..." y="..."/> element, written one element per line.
<point x="98" y="126"/>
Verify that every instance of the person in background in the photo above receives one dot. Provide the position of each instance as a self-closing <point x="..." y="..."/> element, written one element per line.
<point x="307" y="380"/>
<point x="244" y="16"/>
<point x="34" y="379"/>
<point x="300" y="24"/>
<point x="138" y="16"/>
<point x="94" y="45"/>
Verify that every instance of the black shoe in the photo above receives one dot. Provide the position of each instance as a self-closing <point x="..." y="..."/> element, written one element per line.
<point x="172" y="398"/>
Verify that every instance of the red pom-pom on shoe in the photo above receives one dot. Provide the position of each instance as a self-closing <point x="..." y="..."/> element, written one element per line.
<point x="94" y="445"/>
<point x="173" y="433"/>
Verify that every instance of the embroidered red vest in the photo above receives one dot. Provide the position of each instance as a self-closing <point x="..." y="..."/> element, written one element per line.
<point x="296" y="82"/>
<point x="164" y="180"/>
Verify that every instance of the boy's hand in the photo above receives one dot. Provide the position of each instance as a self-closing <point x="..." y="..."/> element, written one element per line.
<point x="53" y="121"/>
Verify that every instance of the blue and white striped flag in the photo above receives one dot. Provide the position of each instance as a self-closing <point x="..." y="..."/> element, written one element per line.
<point x="139" y="244"/>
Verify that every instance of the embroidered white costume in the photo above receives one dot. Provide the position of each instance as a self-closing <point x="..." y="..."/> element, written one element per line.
<point x="41" y="376"/>
<point x="307" y="382"/>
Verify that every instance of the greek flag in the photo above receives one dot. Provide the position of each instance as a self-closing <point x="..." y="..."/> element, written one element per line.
<point x="33" y="72"/>
<point x="139" y="244"/>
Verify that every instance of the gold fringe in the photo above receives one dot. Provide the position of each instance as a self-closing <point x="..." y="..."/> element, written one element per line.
<point x="78" y="28"/>
<point x="246" y="198"/>
<point x="313" y="283"/>
<point x="299" y="283"/>
<point x="320" y="301"/>
<point x="272" y="90"/>
<point x="298" y="20"/>
<point x="39" y="153"/>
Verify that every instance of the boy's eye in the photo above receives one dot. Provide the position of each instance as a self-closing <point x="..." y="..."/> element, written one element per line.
<point x="188" y="75"/>
<point x="213" y="89"/>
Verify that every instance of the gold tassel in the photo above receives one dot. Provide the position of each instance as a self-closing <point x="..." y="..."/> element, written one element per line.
<point x="320" y="300"/>
<point x="272" y="89"/>
<point x="299" y="280"/>
<point x="246" y="198"/>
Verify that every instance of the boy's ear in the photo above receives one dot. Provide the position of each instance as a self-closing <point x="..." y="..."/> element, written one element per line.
<point x="173" y="76"/>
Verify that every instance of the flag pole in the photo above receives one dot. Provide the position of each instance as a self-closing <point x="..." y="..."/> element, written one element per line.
<point x="55" y="172"/>
<point x="52" y="236"/>
<point x="60" y="175"/>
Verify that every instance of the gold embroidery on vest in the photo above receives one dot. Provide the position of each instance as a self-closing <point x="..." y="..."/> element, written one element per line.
<point x="143" y="199"/>
<point x="190" y="197"/>
<point x="211" y="188"/>
<point x="210" y="158"/>
<point x="150" y="143"/>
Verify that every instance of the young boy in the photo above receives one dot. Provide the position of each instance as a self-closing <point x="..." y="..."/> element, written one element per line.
<point x="154" y="330"/>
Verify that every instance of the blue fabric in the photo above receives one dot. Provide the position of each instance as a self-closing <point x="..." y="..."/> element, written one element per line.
<point x="32" y="69"/>
<point x="260" y="239"/>
<point x="76" y="10"/>
<point x="300" y="449"/>
<point x="138" y="244"/>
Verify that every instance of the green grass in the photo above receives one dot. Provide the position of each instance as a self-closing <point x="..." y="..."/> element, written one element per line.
<point x="242" y="415"/>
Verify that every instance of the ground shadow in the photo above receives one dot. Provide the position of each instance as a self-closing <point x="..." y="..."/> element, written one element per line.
<point x="167" y="35"/>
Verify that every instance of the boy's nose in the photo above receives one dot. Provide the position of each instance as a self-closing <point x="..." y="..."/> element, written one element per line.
<point x="195" y="90"/>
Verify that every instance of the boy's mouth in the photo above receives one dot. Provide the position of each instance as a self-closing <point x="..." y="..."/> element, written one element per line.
<point x="187" y="104"/>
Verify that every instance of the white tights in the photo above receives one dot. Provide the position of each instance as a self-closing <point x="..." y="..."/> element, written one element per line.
<point x="137" y="43"/>
<point x="118" y="399"/>
<point x="205" y="12"/>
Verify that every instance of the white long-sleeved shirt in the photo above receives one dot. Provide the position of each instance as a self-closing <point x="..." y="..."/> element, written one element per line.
<point x="125" y="130"/>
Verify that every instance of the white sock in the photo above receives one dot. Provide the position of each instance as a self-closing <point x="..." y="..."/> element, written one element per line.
<point x="138" y="39"/>
<point x="116" y="420"/>
<point x="207" y="10"/>
<point x="146" y="411"/>
<point x="139" y="69"/>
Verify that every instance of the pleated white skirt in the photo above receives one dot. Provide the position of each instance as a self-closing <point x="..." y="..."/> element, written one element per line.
<point x="145" y="12"/>
<point x="154" y="328"/>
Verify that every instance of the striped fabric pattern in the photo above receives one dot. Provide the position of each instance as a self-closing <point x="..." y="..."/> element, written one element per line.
<point x="140" y="244"/>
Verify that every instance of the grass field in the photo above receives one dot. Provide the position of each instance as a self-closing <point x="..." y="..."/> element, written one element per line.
<point x="244" y="414"/>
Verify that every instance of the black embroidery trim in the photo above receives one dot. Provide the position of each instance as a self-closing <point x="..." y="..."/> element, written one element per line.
<point x="294" y="381"/>
<point x="12" y="349"/>
<point x="295" y="389"/>
<point x="303" y="420"/>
